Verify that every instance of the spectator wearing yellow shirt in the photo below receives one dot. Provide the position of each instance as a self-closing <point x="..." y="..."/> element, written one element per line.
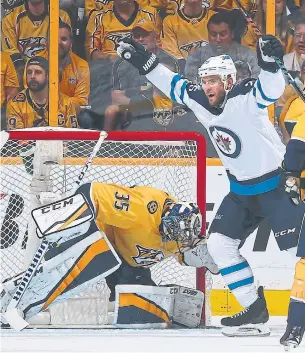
<point x="106" y="28"/>
<point x="30" y="107"/>
<point x="24" y="31"/>
<point x="74" y="73"/>
<point x="186" y="30"/>
<point x="9" y="84"/>
<point x="9" y="79"/>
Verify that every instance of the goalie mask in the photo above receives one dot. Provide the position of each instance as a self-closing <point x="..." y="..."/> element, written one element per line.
<point x="181" y="222"/>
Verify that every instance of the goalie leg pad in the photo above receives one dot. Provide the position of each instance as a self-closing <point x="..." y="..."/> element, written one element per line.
<point x="188" y="306"/>
<point x="72" y="270"/>
<point x="138" y="306"/>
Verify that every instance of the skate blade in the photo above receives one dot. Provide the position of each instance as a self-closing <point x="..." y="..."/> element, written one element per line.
<point x="289" y="344"/>
<point x="246" y="331"/>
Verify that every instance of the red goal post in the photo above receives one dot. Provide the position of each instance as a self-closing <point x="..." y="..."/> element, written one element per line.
<point x="173" y="161"/>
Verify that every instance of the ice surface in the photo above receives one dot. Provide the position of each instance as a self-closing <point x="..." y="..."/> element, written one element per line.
<point x="114" y="340"/>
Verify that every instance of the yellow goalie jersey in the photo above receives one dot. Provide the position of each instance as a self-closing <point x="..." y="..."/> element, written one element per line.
<point x="106" y="28"/>
<point x="26" y="34"/>
<point x="181" y="34"/>
<point x="130" y="218"/>
<point x="22" y="112"/>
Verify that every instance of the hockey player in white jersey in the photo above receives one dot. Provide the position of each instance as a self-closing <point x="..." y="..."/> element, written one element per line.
<point x="236" y="118"/>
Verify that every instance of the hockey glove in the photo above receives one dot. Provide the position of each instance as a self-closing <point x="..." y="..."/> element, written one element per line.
<point x="137" y="55"/>
<point x="295" y="186"/>
<point x="268" y="48"/>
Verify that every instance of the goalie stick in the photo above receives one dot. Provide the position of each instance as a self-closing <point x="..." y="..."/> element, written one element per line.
<point x="11" y="313"/>
<point x="277" y="60"/>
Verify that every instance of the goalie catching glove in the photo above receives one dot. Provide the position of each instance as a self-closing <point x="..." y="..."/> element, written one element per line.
<point x="137" y="55"/>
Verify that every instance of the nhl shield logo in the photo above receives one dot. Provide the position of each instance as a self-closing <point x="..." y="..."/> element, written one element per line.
<point x="147" y="257"/>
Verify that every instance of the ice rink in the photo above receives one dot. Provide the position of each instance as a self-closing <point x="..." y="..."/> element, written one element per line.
<point x="114" y="340"/>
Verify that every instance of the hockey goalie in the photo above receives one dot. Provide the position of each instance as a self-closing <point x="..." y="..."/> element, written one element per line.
<point x="117" y="233"/>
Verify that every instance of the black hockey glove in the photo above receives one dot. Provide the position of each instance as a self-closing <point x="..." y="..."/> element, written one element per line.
<point x="268" y="48"/>
<point x="137" y="55"/>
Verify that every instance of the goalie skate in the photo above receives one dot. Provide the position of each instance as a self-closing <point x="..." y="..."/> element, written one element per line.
<point x="248" y="322"/>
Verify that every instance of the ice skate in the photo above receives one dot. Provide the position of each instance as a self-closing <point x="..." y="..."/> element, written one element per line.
<point x="292" y="337"/>
<point x="249" y="322"/>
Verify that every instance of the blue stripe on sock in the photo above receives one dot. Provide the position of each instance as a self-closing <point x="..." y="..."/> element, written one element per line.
<point x="175" y="79"/>
<point x="228" y="270"/>
<point x="243" y="282"/>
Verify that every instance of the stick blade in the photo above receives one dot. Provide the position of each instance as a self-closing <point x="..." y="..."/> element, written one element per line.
<point x="13" y="317"/>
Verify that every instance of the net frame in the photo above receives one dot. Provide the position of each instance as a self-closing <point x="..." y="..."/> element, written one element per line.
<point x="48" y="134"/>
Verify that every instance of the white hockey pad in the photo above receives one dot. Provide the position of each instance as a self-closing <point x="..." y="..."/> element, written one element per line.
<point x="62" y="215"/>
<point x="188" y="305"/>
<point x="66" y="271"/>
<point x="259" y="330"/>
<point x="200" y="257"/>
<point x="138" y="306"/>
<point x="14" y="317"/>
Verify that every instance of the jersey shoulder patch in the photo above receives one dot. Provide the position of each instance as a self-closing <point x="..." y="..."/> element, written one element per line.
<point x="20" y="97"/>
<point x="242" y="88"/>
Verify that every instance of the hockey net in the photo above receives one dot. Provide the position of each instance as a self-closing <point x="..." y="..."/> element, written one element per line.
<point x="173" y="162"/>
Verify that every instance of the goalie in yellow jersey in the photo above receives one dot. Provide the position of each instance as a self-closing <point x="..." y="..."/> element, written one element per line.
<point x="117" y="232"/>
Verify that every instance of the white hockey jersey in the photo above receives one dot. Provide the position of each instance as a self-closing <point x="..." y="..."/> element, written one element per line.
<point x="247" y="143"/>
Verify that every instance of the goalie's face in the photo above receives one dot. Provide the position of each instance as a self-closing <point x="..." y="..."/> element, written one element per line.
<point x="182" y="223"/>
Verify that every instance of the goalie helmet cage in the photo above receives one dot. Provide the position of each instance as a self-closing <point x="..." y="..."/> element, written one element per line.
<point x="172" y="161"/>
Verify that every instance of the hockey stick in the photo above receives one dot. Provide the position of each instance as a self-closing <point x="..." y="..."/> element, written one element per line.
<point x="277" y="60"/>
<point x="11" y="314"/>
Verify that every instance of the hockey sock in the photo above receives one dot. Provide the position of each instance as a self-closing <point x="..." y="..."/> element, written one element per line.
<point x="233" y="267"/>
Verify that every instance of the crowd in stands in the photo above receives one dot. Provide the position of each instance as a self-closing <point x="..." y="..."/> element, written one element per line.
<point x="98" y="90"/>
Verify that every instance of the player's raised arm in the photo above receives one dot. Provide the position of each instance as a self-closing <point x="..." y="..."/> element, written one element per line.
<point x="270" y="84"/>
<point x="170" y="83"/>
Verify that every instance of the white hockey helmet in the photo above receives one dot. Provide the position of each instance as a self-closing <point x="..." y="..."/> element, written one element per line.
<point x="221" y="65"/>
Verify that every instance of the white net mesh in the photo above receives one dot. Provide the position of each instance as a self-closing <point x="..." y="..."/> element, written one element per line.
<point x="168" y="165"/>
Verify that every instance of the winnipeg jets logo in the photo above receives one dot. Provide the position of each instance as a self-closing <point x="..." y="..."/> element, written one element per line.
<point x="226" y="140"/>
<point x="116" y="37"/>
<point x="193" y="45"/>
<point x="147" y="257"/>
<point x="31" y="46"/>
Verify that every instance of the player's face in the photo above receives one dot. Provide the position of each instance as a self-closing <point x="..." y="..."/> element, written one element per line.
<point x="36" y="78"/>
<point x="147" y="39"/>
<point x="64" y="42"/>
<point x="220" y="34"/>
<point x="299" y="39"/>
<point x="213" y="88"/>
